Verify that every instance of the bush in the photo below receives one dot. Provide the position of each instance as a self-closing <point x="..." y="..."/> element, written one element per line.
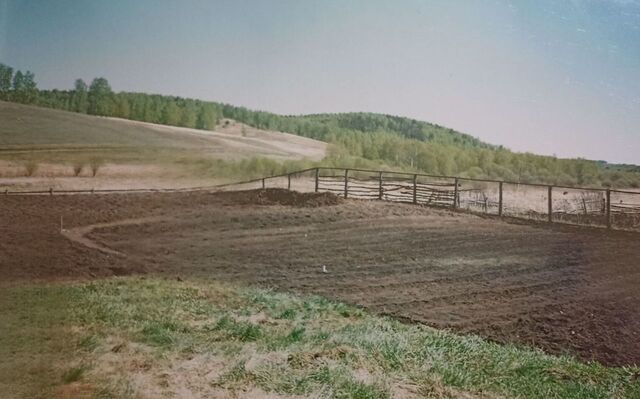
<point x="77" y="168"/>
<point x="73" y="375"/>
<point x="30" y="168"/>
<point x="95" y="164"/>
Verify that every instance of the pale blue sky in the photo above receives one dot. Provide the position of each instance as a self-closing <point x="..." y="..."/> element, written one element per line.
<point x="546" y="76"/>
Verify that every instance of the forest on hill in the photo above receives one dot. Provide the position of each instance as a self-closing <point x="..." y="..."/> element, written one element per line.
<point x="357" y="139"/>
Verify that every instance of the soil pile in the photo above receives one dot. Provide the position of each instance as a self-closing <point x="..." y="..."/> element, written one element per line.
<point x="278" y="196"/>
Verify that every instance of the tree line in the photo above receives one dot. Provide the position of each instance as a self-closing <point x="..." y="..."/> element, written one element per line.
<point x="357" y="139"/>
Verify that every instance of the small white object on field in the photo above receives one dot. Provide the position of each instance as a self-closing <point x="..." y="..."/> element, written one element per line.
<point x="324" y="269"/>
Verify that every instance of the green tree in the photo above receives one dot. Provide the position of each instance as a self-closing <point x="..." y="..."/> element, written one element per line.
<point x="6" y="78"/>
<point x="153" y="109"/>
<point x="80" y="97"/>
<point x="207" y="117"/>
<point x="25" y="89"/>
<point x="122" y="107"/>
<point x="189" y="115"/>
<point x="18" y="81"/>
<point x="30" y="87"/>
<point x="171" y="114"/>
<point x="100" y="97"/>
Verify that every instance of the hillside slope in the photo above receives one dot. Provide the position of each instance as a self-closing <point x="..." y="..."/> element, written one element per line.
<point x="365" y="122"/>
<point x="27" y="128"/>
<point x="358" y="140"/>
<point x="42" y="148"/>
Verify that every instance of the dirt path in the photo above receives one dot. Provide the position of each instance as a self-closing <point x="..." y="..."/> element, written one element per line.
<point x="79" y="234"/>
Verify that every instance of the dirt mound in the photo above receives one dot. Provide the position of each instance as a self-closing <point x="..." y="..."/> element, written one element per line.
<point x="279" y="196"/>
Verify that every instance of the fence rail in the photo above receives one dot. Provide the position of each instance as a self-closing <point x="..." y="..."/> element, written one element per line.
<point x="597" y="207"/>
<point x="601" y="207"/>
<point x="53" y="191"/>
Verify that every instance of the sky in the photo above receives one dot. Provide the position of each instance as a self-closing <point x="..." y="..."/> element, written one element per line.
<point x="554" y="77"/>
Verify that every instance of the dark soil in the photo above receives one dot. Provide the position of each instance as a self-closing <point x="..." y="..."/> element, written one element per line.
<point x="562" y="289"/>
<point x="274" y="196"/>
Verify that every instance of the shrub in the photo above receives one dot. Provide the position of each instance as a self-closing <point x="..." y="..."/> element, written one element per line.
<point x="30" y="168"/>
<point x="77" y="168"/>
<point x="73" y="375"/>
<point x="95" y="164"/>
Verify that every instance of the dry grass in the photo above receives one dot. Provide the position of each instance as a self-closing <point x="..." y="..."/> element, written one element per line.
<point x="30" y="168"/>
<point x="77" y="168"/>
<point x="147" y="338"/>
<point x="95" y="164"/>
<point x="55" y="139"/>
<point x="28" y="132"/>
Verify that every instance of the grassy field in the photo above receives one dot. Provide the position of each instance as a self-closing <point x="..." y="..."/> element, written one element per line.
<point x="151" y="337"/>
<point x="41" y="143"/>
<point x="51" y="132"/>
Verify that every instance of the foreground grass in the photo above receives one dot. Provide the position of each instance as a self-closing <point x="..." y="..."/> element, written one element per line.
<point x="141" y="337"/>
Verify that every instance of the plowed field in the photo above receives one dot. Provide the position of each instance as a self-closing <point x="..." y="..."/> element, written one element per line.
<point x="562" y="289"/>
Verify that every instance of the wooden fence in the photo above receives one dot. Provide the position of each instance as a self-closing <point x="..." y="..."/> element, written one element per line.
<point x="613" y="209"/>
<point x="598" y="207"/>
<point x="52" y="191"/>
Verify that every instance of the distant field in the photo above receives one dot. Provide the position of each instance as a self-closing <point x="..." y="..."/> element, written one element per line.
<point x="55" y="141"/>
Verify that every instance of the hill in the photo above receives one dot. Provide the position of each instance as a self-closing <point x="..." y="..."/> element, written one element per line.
<point x="327" y="126"/>
<point x="34" y="128"/>
<point x="356" y="139"/>
<point x="54" y="141"/>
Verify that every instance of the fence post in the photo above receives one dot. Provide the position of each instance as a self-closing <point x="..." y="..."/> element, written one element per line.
<point x="550" y="198"/>
<point x="500" y="199"/>
<point x="263" y="183"/>
<point x="608" y="208"/>
<point x="50" y="190"/>
<point x="317" y="177"/>
<point x="455" y="193"/>
<point x="346" y="182"/>
<point x="380" y="185"/>
<point x="415" y="189"/>
<point x="289" y="181"/>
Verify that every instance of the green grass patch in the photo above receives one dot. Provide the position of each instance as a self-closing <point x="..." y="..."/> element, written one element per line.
<point x="274" y="342"/>
<point x="72" y="375"/>
<point x="242" y="331"/>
